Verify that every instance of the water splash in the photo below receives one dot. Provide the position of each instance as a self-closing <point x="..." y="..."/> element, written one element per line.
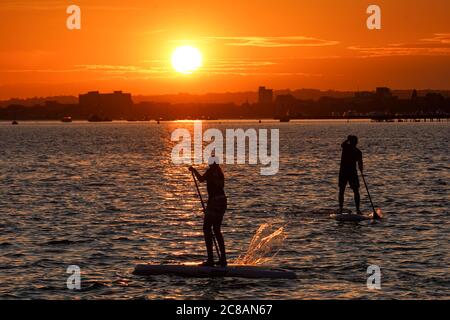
<point x="264" y="246"/>
<point x="379" y="214"/>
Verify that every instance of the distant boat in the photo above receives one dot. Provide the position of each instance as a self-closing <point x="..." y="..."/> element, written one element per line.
<point x="285" y="119"/>
<point x="96" y="118"/>
<point x="67" y="119"/>
<point x="138" y="119"/>
<point x="14" y="122"/>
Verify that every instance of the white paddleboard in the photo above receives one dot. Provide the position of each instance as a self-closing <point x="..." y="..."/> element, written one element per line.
<point x="232" y="270"/>
<point x="357" y="217"/>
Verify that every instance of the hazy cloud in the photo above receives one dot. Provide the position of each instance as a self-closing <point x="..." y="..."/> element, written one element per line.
<point x="33" y="5"/>
<point x="443" y="38"/>
<point x="124" y="69"/>
<point x="438" y="45"/>
<point x="274" y="42"/>
<point x="162" y="69"/>
<point x="39" y="70"/>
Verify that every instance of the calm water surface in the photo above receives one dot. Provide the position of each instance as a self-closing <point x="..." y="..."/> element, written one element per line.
<point x="106" y="197"/>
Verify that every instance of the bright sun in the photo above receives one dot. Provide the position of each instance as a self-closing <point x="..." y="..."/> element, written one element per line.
<point x="186" y="59"/>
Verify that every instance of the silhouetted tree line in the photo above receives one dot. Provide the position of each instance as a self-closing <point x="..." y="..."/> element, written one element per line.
<point x="285" y="105"/>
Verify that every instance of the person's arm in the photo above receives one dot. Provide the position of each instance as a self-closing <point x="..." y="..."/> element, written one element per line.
<point x="197" y="174"/>
<point x="345" y="143"/>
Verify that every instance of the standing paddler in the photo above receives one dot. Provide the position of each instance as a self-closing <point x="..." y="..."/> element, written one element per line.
<point x="351" y="157"/>
<point x="215" y="210"/>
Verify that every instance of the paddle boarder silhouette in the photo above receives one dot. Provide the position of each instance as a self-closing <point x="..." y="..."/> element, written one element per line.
<point x="348" y="173"/>
<point x="215" y="209"/>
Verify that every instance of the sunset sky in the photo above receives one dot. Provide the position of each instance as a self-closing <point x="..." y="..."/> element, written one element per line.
<point x="127" y="45"/>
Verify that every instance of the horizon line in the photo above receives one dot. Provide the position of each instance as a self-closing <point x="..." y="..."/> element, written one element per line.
<point x="223" y="92"/>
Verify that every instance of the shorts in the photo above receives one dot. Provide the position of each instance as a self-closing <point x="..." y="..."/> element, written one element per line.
<point x="350" y="177"/>
<point x="216" y="208"/>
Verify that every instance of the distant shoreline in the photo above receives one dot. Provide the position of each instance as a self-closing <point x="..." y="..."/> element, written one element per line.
<point x="262" y="120"/>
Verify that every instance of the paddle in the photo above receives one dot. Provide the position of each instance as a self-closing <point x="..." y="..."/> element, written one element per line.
<point x="375" y="214"/>
<point x="204" y="212"/>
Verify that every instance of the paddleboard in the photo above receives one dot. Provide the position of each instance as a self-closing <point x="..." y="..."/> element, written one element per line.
<point x="350" y="217"/>
<point x="232" y="270"/>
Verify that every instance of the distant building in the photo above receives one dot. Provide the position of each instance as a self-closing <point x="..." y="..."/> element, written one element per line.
<point x="286" y="100"/>
<point x="364" y="94"/>
<point x="265" y="96"/>
<point x="284" y="104"/>
<point x="94" y="99"/>
<point x="51" y="103"/>
<point x="383" y="92"/>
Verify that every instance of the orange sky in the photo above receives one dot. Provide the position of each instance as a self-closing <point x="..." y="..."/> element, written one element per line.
<point x="126" y="45"/>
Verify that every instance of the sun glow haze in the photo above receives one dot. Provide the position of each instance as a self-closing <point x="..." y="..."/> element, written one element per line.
<point x="186" y="59"/>
<point x="290" y="44"/>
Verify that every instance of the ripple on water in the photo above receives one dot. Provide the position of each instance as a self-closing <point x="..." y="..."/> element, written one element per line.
<point x="106" y="197"/>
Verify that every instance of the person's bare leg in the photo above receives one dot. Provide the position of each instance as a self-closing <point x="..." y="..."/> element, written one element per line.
<point x="357" y="200"/>
<point x="341" y="199"/>
<point x="207" y="232"/>
<point x="221" y="243"/>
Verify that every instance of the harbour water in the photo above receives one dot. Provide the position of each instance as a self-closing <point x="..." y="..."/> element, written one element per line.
<point x="106" y="196"/>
